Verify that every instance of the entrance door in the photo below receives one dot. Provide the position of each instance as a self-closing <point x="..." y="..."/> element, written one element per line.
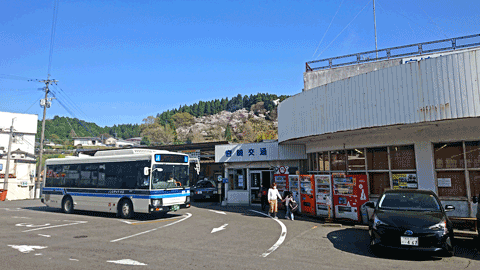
<point x="255" y="182"/>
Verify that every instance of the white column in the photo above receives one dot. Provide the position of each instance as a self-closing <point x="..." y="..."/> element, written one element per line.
<point x="425" y="165"/>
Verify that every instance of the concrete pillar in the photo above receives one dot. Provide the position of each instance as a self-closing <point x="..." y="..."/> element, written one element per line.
<point x="425" y="165"/>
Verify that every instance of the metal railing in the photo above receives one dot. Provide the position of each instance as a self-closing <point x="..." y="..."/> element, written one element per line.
<point x="395" y="52"/>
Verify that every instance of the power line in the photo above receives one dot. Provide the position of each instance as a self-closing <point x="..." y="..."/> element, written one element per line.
<point x="327" y="29"/>
<point x="443" y="33"/>
<point x="52" y="36"/>
<point x="69" y="100"/>
<point x="343" y="29"/>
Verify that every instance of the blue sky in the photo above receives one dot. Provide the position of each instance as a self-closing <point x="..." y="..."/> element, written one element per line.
<point x="118" y="62"/>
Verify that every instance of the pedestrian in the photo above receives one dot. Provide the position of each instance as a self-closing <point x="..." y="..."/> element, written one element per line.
<point x="290" y="204"/>
<point x="273" y="195"/>
<point x="263" y="198"/>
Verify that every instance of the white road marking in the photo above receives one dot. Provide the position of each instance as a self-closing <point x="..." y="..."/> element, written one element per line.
<point x="218" y="212"/>
<point x="280" y="239"/>
<point x="219" y="228"/>
<point x="21" y="217"/>
<point x="38" y="254"/>
<point x="15" y="210"/>
<point x="25" y="248"/>
<point x="73" y="259"/>
<point x="123" y="238"/>
<point x="31" y="225"/>
<point x="127" y="262"/>
<point x="131" y="222"/>
<point x="62" y="225"/>
<point x="44" y="235"/>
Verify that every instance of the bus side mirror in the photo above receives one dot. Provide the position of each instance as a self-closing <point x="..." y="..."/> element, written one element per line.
<point x="146" y="171"/>
<point x="475" y="199"/>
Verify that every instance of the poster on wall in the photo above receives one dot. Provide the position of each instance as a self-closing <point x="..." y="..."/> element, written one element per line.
<point x="240" y="180"/>
<point x="402" y="180"/>
<point x="444" y="182"/>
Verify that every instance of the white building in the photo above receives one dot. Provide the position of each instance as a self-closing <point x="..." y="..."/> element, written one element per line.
<point x="87" y="141"/>
<point x="123" y="143"/>
<point x="22" y="169"/>
<point x="248" y="166"/>
<point x="393" y="118"/>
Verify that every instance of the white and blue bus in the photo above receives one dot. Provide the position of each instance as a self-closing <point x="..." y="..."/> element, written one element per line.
<point x="118" y="181"/>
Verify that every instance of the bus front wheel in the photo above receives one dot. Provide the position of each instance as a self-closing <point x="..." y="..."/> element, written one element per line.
<point x="67" y="205"/>
<point x="126" y="209"/>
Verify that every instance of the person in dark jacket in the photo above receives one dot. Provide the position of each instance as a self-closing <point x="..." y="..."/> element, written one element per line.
<point x="263" y="198"/>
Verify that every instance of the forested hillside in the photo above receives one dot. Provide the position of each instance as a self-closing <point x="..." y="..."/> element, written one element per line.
<point x="257" y="111"/>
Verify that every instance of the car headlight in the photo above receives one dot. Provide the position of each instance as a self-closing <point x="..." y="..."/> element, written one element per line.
<point x="377" y="222"/>
<point x="442" y="226"/>
<point x="157" y="203"/>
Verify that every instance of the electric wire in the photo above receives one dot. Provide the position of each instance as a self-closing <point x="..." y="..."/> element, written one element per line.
<point x="52" y="36"/>
<point x="443" y="33"/>
<point x="327" y="29"/>
<point x="32" y="105"/>
<point x="69" y="100"/>
<point x="343" y="29"/>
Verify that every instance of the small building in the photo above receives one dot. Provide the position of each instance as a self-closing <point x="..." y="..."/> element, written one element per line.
<point x="248" y="166"/>
<point x="135" y="140"/>
<point x="123" y="143"/>
<point x="21" y="171"/>
<point x="110" y="141"/>
<point x="87" y="141"/>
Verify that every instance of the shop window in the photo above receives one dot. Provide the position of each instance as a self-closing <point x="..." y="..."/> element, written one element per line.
<point x="474" y="183"/>
<point x="356" y="159"/>
<point x="326" y="161"/>
<point x="338" y="160"/>
<point x="379" y="182"/>
<point x="451" y="184"/>
<point x="448" y="155"/>
<point x="321" y="165"/>
<point x="402" y="157"/>
<point x="237" y="179"/>
<point x="473" y="154"/>
<point x="315" y="162"/>
<point x="377" y="158"/>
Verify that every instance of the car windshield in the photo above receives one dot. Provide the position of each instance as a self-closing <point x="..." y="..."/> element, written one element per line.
<point x="169" y="176"/>
<point x="205" y="184"/>
<point x="409" y="201"/>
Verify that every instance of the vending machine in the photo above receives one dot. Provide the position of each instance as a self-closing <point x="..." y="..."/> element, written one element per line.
<point x="282" y="186"/>
<point x="294" y="188"/>
<point x="323" y="195"/>
<point x="349" y="194"/>
<point x="307" y="194"/>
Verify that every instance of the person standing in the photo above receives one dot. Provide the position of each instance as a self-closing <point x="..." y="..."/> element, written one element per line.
<point x="263" y="198"/>
<point x="273" y="195"/>
<point x="289" y="204"/>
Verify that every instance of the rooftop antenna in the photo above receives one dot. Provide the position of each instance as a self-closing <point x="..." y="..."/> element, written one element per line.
<point x="375" y="27"/>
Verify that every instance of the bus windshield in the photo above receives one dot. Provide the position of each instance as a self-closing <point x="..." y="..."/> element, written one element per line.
<point x="171" y="176"/>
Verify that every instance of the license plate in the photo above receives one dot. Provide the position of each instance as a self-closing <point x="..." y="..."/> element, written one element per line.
<point x="409" y="241"/>
<point x="199" y="192"/>
<point x="175" y="207"/>
<point x="208" y="196"/>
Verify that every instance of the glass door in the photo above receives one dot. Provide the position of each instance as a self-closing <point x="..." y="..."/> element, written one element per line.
<point x="255" y="182"/>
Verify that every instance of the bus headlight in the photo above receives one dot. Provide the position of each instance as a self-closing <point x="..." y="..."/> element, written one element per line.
<point x="157" y="203"/>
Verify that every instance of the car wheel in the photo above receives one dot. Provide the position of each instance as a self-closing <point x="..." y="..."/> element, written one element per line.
<point x="67" y="205"/>
<point x="125" y="209"/>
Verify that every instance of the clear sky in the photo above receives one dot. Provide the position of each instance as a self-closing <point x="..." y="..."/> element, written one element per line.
<point x="118" y="62"/>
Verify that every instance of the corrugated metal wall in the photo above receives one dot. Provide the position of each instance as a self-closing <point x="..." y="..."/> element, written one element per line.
<point x="445" y="87"/>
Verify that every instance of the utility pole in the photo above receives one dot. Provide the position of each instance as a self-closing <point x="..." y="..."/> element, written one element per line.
<point x="7" y="167"/>
<point x="45" y="103"/>
<point x="375" y="27"/>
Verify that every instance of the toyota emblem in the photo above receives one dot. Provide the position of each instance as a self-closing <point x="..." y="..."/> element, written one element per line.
<point x="408" y="232"/>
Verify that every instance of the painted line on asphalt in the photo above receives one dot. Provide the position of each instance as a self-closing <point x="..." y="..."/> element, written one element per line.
<point x="147" y="221"/>
<point x="280" y="239"/>
<point x="56" y="226"/>
<point x="218" y="212"/>
<point x="137" y="234"/>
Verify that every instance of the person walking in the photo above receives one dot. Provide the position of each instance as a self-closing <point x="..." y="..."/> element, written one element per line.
<point x="263" y="198"/>
<point x="289" y="204"/>
<point x="273" y="195"/>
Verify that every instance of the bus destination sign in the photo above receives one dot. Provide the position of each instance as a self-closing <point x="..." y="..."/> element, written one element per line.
<point x="171" y="158"/>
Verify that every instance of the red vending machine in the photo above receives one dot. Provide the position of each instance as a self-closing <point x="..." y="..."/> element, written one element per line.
<point x="307" y="194"/>
<point x="349" y="194"/>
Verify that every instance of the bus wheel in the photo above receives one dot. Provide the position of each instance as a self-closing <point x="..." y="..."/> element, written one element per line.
<point x="67" y="205"/>
<point x="126" y="209"/>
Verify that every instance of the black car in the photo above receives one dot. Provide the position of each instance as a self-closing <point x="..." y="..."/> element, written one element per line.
<point x="204" y="189"/>
<point x="411" y="220"/>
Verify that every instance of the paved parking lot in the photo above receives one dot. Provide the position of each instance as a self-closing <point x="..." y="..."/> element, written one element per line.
<point x="205" y="236"/>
